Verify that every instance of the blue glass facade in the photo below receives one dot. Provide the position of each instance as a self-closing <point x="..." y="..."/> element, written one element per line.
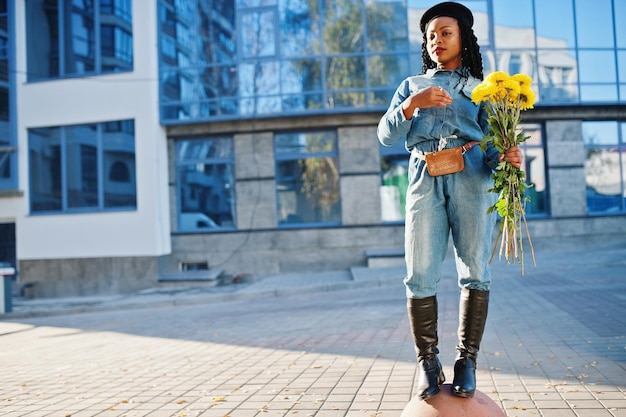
<point x="8" y="136"/>
<point x="70" y="38"/>
<point x="228" y="59"/>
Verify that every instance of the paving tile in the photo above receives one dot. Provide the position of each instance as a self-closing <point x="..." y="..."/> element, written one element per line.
<point x="345" y="352"/>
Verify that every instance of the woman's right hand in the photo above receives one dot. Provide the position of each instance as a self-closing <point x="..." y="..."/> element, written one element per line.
<point x="433" y="96"/>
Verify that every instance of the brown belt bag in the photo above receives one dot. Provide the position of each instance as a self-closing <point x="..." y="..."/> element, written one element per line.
<point x="447" y="161"/>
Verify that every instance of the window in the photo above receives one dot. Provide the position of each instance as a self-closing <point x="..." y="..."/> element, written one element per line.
<point x="82" y="168"/>
<point x="205" y="170"/>
<point x="8" y="136"/>
<point x="394" y="180"/>
<point x="605" y="166"/>
<point x="95" y="37"/>
<point x="307" y="178"/>
<point x="535" y="170"/>
<point x="242" y="59"/>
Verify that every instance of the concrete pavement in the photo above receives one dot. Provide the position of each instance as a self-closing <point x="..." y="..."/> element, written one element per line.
<point x="326" y="345"/>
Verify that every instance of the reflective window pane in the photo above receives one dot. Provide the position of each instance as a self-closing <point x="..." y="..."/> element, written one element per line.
<point x="621" y="66"/>
<point x="83" y="167"/>
<point x="300" y="75"/>
<point x="44" y="151"/>
<point x="605" y="167"/>
<point x="535" y="170"/>
<point x="258" y="34"/>
<point x="118" y="162"/>
<point x="300" y="29"/>
<point x="597" y="35"/>
<point x="345" y="72"/>
<point x="549" y="33"/>
<point x="513" y="30"/>
<point x="61" y="38"/>
<point x="517" y="61"/>
<point x="598" y="93"/>
<point x="219" y="81"/>
<point x="557" y="76"/>
<point x="302" y="102"/>
<point x="386" y="26"/>
<point x="259" y="78"/>
<point x="619" y="8"/>
<point x="307" y="178"/>
<point x="590" y="69"/>
<point x="394" y="180"/>
<point x="206" y="184"/>
<point x="81" y="164"/>
<point x="386" y="70"/>
<point x="343" y="30"/>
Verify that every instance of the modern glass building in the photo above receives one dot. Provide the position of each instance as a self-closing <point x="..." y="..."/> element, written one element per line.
<point x="143" y="141"/>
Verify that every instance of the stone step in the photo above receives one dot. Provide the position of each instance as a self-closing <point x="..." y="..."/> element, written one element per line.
<point x="203" y="277"/>
<point x="384" y="257"/>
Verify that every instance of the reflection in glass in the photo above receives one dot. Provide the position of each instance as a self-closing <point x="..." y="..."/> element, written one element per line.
<point x="219" y="81"/>
<point x="345" y="72"/>
<point x="386" y="27"/>
<point x="300" y="29"/>
<point x="557" y="76"/>
<point x="81" y="163"/>
<point x="206" y="184"/>
<point x="258" y="34"/>
<point x="69" y="49"/>
<point x="307" y="178"/>
<point x="394" y="166"/>
<point x="387" y="70"/>
<point x="82" y="167"/>
<point x="517" y="61"/>
<point x="259" y="57"/>
<point x="596" y="66"/>
<point x="343" y="29"/>
<point x="555" y="24"/>
<point x="300" y="75"/>
<point x="605" y="167"/>
<point x="118" y="164"/>
<point x="535" y="169"/>
<point x="619" y="10"/>
<point x="44" y="152"/>
<point x="599" y="34"/>
<point x="598" y="93"/>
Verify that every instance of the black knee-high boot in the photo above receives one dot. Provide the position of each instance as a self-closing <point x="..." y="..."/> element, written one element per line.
<point x="473" y="308"/>
<point x="423" y="320"/>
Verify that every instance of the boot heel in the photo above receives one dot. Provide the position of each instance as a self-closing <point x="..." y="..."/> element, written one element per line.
<point x="464" y="384"/>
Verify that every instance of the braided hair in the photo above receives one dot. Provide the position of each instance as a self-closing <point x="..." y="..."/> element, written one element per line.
<point x="470" y="52"/>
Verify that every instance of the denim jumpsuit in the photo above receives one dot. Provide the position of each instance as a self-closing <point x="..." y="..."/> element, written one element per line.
<point x="457" y="203"/>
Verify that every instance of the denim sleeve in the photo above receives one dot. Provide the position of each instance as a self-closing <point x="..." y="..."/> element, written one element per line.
<point x="393" y="125"/>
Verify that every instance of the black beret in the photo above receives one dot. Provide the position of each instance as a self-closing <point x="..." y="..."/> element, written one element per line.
<point x="450" y="9"/>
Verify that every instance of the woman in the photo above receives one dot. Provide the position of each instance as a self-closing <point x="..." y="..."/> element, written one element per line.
<point x="433" y="111"/>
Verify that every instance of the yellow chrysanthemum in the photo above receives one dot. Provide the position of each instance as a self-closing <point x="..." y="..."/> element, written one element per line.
<point x="480" y="93"/>
<point x="490" y="90"/>
<point x="527" y="98"/>
<point x="523" y="80"/>
<point x="500" y="91"/>
<point x="512" y="87"/>
<point x="497" y="77"/>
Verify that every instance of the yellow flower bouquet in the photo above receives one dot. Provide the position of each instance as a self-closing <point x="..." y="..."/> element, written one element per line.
<point x="506" y="97"/>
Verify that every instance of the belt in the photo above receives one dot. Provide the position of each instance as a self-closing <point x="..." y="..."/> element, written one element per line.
<point x="464" y="148"/>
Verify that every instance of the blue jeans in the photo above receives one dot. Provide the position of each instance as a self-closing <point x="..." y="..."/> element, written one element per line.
<point x="436" y="206"/>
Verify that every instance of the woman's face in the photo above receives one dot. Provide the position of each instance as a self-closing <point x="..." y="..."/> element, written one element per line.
<point x="443" y="37"/>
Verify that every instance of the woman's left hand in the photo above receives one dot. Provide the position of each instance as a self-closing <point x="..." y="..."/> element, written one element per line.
<point x="514" y="156"/>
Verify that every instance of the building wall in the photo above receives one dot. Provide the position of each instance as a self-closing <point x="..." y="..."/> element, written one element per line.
<point x="74" y="254"/>
<point x="259" y="247"/>
<point x="117" y="252"/>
